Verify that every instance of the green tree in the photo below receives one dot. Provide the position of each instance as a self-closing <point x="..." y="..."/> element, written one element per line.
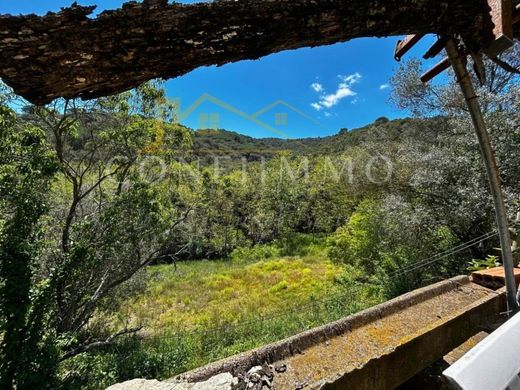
<point x="111" y="216"/>
<point x="27" y="167"/>
<point x="69" y="248"/>
<point x="359" y="242"/>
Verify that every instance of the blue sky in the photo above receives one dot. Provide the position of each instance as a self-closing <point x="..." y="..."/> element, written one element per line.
<point x="299" y="93"/>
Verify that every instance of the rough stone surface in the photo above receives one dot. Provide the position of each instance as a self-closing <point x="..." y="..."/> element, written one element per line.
<point x="257" y="378"/>
<point x="143" y="384"/>
<point x="223" y="381"/>
<point x="69" y="54"/>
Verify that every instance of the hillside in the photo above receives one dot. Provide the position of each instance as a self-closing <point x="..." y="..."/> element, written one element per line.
<point x="209" y="143"/>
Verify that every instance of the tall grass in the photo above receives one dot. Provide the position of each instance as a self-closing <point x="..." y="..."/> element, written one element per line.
<point x="207" y="310"/>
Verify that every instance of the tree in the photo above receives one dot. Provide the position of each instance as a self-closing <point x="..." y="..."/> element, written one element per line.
<point x="106" y="216"/>
<point x="329" y="193"/>
<point x="27" y="167"/>
<point x="426" y="99"/>
<point x="448" y="174"/>
<point x="282" y="200"/>
<point x="113" y="218"/>
<point x="359" y="242"/>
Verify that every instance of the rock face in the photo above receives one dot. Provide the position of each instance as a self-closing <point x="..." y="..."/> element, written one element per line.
<point x="143" y="384"/>
<point x="68" y="54"/>
<point x="257" y="378"/>
<point x="223" y="381"/>
<point x="219" y="382"/>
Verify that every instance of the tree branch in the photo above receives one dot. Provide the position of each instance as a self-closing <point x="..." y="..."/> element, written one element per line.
<point x="98" y="343"/>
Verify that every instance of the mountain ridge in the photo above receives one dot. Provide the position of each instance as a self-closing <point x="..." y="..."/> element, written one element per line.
<point x="220" y="142"/>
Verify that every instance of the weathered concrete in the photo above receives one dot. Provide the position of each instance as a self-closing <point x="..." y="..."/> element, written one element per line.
<point x="378" y="348"/>
<point x="224" y="381"/>
<point x="462" y="349"/>
<point x="440" y="327"/>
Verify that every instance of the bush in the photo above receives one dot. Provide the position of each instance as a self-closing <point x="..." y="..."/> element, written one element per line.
<point x="357" y="243"/>
<point x="384" y="239"/>
<point x="303" y="245"/>
<point x="479" y="264"/>
<point x="254" y="253"/>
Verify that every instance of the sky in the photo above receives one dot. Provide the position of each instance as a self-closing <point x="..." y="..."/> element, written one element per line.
<point x="309" y="92"/>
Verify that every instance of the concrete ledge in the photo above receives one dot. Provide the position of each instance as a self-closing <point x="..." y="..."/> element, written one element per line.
<point x="294" y="345"/>
<point x="420" y="351"/>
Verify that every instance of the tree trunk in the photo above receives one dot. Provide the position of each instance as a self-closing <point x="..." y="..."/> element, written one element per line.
<point x="68" y="54"/>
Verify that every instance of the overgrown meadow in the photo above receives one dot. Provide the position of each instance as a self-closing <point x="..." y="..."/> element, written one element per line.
<point x="200" y="311"/>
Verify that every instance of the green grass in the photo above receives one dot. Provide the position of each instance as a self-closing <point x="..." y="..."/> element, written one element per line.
<point x="201" y="294"/>
<point x="203" y="311"/>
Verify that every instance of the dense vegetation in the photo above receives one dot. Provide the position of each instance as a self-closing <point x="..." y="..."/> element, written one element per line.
<point x="205" y="310"/>
<point x="101" y="199"/>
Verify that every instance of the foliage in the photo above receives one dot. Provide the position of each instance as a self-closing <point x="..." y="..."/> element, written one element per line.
<point x="167" y="355"/>
<point x="27" y="166"/>
<point x="386" y="237"/>
<point x="109" y="218"/>
<point x="478" y="265"/>
<point x="67" y="248"/>
<point x="424" y="99"/>
<point x="216" y="309"/>
<point x="254" y="253"/>
<point x="206" y="293"/>
<point x="358" y="242"/>
<point x="94" y="193"/>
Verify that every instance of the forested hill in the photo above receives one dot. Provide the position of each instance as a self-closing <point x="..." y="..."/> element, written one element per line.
<point x="209" y="143"/>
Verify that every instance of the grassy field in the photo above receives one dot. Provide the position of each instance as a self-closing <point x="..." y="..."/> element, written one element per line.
<point x="202" y="311"/>
<point x="202" y="294"/>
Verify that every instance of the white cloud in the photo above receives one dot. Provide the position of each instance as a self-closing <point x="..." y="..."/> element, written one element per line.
<point x="328" y="114"/>
<point x="316" y="106"/>
<point x="333" y="99"/>
<point x="384" y="86"/>
<point x="351" y="79"/>
<point x="317" y="87"/>
<point x="343" y="90"/>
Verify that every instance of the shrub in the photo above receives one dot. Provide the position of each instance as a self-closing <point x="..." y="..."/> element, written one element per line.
<point x="303" y="245"/>
<point x="357" y="243"/>
<point x="479" y="264"/>
<point x="254" y="253"/>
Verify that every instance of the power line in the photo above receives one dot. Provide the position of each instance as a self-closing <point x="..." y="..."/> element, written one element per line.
<point x="440" y="256"/>
<point x="443" y="255"/>
<point x="326" y="300"/>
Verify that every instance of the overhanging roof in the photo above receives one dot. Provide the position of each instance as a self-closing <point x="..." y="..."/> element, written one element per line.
<point x="68" y="54"/>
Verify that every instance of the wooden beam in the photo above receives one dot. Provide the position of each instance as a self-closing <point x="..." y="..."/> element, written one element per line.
<point x="403" y="46"/>
<point x="436" y="70"/>
<point x="68" y="54"/>
<point x="516" y="15"/>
